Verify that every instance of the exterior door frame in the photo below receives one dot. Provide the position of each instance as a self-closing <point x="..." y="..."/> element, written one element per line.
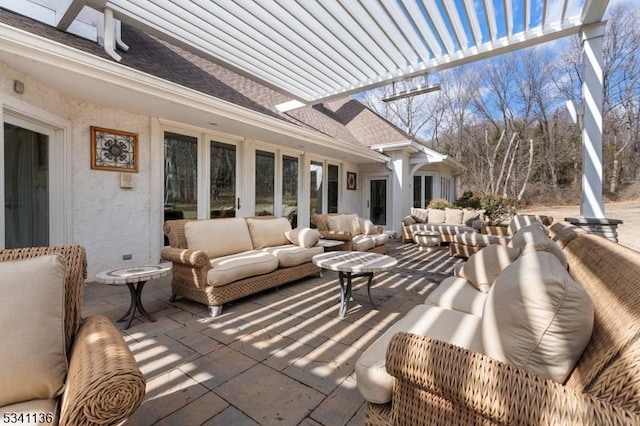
<point x="19" y="113"/>
<point x="366" y="194"/>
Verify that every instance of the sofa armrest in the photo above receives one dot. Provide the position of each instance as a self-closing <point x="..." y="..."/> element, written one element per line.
<point x="187" y="257"/>
<point x="104" y="384"/>
<point x="502" y="231"/>
<point x="437" y="380"/>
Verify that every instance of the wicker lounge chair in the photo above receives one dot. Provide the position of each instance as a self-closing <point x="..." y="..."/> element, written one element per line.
<point x="104" y="384"/>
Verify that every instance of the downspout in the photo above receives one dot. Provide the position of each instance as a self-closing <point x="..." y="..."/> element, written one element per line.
<point x="110" y="35"/>
<point x="121" y="44"/>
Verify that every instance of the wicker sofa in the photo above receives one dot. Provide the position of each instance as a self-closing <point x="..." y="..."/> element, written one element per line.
<point x="216" y="261"/>
<point x="357" y="234"/>
<point x="436" y="382"/>
<point x="448" y="222"/>
<point x="102" y="383"/>
<point x="466" y="244"/>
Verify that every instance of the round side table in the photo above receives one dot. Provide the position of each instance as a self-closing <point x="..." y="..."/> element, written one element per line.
<point x="426" y="240"/>
<point x="134" y="278"/>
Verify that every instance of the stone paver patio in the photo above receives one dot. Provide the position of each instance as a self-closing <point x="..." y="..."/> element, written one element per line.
<point x="279" y="357"/>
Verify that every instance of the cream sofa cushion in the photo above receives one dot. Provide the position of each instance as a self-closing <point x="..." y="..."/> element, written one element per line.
<point x="420" y="215"/>
<point x="475" y="239"/>
<point x="437" y="216"/>
<point x="519" y="221"/>
<point x="375" y="384"/>
<point x="453" y="216"/>
<point x="341" y="222"/>
<point x="367" y="227"/>
<point x="303" y="237"/>
<point x="37" y="412"/>
<point x="534" y="238"/>
<point x="363" y="242"/>
<point x="268" y="232"/>
<point x="482" y="268"/>
<point x="469" y="217"/>
<point x="218" y="237"/>
<point x="379" y="239"/>
<point x="457" y="294"/>
<point x="537" y="318"/>
<point x="227" y="269"/>
<point x="292" y="255"/>
<point x="33" y="362"/>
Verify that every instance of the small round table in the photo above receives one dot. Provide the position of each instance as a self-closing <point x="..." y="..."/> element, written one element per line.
<point x="134" y="278"/>
<point x="353" y="264"/>
<point x="426" y="239"/>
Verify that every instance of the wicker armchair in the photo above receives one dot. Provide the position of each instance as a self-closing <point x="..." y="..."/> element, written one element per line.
<point x="438" y="383"/>
<point x="104" y="384"/>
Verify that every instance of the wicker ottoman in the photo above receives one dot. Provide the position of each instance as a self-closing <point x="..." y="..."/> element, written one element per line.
<point x="426" y="240"/>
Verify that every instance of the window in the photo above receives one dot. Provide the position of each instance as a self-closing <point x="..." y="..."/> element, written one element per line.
<point x="265" y="167"/>
<point x="290" y="189"/>
<point x="316" y="188"/>
<point x="180" y="176"/>
<point x="222" y="180"/>
<point x="417" y="191"/>
<point x="332" y="189"/>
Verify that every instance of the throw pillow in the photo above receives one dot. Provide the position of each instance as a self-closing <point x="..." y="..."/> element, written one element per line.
<point x="32" y="354"/>
<point x="452" y="216"/>
<point x="356" y="226"/>
<point x="482" y="268"/>
<point x="436" y="216"/>
<point x="303" y="237"/>
<point x="537" y="317"/>
<point x="420" y="215"/>
<point x="368" y="227"/>
<point x="408" y="220"/>
<point x="471" y="216"/>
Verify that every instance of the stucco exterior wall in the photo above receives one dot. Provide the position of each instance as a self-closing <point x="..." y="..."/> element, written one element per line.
<point x="107" y="220"/>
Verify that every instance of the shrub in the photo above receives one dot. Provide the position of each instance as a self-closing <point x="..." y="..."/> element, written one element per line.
<point x="440" y="204"/>
<point x="499" y="210"/>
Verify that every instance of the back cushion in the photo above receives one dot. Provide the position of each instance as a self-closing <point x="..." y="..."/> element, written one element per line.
<point x="453" y="216"/>
<point x="436" y="216"/>
<point x="218" y="237"/>
<point x="520" y="220"/>
<point x="483" y="267"/>
<point x="33" y="362"/>
<point x="537" y="318"/>
<point x="268" y="232"/>
<point x="534" y="238"/>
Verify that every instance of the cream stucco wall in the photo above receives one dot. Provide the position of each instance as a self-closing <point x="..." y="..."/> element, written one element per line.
<point x="107" y="220"/>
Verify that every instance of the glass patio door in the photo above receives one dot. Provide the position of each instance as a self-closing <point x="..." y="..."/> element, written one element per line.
<point x="224" y="199"/>
<point x="26" y="185"/>
<point x="378" y="201"/>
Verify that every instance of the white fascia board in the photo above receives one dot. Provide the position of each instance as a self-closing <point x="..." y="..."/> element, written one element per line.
<point x="23" y="43"/>
<point x="593" y="11"/>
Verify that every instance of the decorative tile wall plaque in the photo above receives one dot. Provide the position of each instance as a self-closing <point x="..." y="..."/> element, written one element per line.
<point x="351" y="180"/>
<point x="114" y="150"/>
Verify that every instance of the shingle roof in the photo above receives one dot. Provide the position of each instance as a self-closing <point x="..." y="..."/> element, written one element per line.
<point x="346" y="120"/>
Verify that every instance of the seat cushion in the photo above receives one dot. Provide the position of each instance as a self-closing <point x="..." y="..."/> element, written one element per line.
<point x="475" y="239"/>
<point x="292" y="255"/>
<point x="537" y="317"/>
<point x="33" y="362"/>
<point x="448" y="229"/>
<point x="303" y="237"/>
<point x="457" y="294"/>
<point x="37" y="412"/>
<point x="363" y="242"/>
<point x="483" y="267"/>
<point x="268" y="232"/>
<point x="227" y="269"/>
<point x="218" y="237"/>
<point x="375" y="384"/>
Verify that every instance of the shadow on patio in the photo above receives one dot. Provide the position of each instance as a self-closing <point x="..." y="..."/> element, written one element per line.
<point x="282" y="356"/>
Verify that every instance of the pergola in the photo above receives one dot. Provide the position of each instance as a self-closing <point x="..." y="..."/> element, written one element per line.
<point x="318" y="50"/>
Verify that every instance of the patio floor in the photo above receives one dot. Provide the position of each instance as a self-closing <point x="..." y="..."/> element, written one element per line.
<point x="279" y="357"/>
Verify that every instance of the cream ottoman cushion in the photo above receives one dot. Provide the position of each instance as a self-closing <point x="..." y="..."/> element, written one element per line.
<point x="33" y="362"/>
